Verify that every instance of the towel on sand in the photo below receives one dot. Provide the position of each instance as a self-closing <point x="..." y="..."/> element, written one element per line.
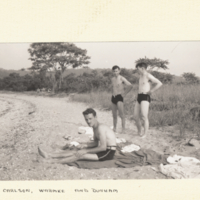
<point x="125" y="160"/>
<point x="181" y="167"/>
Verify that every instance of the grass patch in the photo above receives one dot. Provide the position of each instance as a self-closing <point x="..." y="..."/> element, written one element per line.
<point x="94" y="99"/>
<point x="171" y="105"/>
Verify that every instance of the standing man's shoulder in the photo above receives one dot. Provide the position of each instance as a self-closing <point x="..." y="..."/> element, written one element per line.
<point x="152" y="78"/>
<point x="148" y="75"/>
<point x="125" y="81"/>
<point x="121" y="77"/>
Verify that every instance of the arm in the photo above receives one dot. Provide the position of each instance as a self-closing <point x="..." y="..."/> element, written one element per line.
<point x="88" y="144"/>
<point x="82" y="145"/>
<point x="111" y="86"/>
<point x="102" y="141"/>
<point x="129" y="86"/>
<point x="102" y="144"/>
<point x="158" y="84"/>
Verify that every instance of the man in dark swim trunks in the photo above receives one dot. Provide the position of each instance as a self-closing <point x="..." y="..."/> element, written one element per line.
<point x="102" y="148"/>
<point x="143" y="99"/>
<point x="118" y="94"/>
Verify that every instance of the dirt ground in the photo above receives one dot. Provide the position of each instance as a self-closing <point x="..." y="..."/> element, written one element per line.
<point x="28" y="121"/>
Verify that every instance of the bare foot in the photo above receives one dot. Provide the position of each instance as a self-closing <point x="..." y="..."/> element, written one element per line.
<point x="123" y="131"/>
<point x="45" y="161"/>
<point x="65" y="147"/>
<point x="42" y="153"/>
<point x="55" y="161"/>
<point x="142" y="135"/>
<point x="139" y="133"/>
<point x="115" y="131"/>
<point x="49" y="161"/>
<point x="42" y="160"/>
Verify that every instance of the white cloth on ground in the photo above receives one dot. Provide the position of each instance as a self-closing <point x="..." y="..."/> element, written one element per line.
<point x="182" y="159"/>
<point x="85" y="130"/>
<point x="181" y="167"/>
<point x="130" y="148"/>
<point x="74" y="143"/>
<point x="120" y="140"/>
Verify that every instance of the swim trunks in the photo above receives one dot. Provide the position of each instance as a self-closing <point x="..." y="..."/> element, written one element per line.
<point x="106" y="155"/>
<point x="117" y="98"/>
<point x="143" y="97"/>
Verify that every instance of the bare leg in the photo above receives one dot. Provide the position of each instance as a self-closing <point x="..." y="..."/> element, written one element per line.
<point x="54" y="155"/>
<point x="73" y="158"/>
<point x="144" y="116"/>
<point x="137" y="117"/>
<point x="120" y="106"/>
<point x="62" y="147"/>
<point x="65" y="147"/>
<point x="114" y="113"/>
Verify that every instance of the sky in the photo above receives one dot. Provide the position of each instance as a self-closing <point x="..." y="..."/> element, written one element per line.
<point x="182" y="56"/>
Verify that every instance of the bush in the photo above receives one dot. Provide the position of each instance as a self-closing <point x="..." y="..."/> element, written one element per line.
<point x="14" y="82"/>
<point x="165" y="78"/>
<point x="191" y="78"/>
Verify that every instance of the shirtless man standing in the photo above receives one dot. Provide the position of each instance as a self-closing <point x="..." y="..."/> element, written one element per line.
<point x="142" y="105"/>
<point x="118" y="94"/>
<point x="102" y="148"/>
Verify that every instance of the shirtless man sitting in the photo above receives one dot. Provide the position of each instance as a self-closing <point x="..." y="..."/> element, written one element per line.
<point x="102" y="148"/>
<point x="141" y="109"/>
<point x="118" y="94"/>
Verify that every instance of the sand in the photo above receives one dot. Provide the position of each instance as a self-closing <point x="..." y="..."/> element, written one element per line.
<point x="28" y="121"/>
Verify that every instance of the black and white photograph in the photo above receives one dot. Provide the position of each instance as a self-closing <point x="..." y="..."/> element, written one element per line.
<point x="100" y="110"/>
<point x="99" y="99"/>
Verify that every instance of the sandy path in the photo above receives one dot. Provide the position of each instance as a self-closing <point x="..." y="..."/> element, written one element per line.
<point x="29" y="121"/>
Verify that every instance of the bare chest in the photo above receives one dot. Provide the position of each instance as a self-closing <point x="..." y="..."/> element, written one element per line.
<point x="143" y="81"/>
<point x="117" y="82"/>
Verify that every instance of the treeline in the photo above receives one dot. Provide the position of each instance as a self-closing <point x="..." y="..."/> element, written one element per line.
<point x="15" y="82"/>
<point x="96" y="80"/>
<point x="86" y="82"/>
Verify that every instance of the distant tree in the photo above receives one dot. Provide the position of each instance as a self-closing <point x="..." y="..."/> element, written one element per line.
<point x="134" y="71"/>
<point x="163" y="77"/>
<point x="125" y="72"/>
<point x="22" y="69"/>
<point x="190" y="78"/>
<point x="14" y="82"/>
<point x="2" y="84"/>
<point x="56" y="58"/>
<point x="130" y="75"/>
<point x="35" y="81"/>
<point x="107" y="73"/>
<point x="155" y="62"/>
<point x="27" y="79"/>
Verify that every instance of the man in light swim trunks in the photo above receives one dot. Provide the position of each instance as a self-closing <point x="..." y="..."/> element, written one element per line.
<point x="141" y="109"/>
<point x="102" y="148"/>
<point x="118" y="94"/>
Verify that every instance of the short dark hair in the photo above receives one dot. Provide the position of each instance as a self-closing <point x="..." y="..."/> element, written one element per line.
<point x="115" y="67"/>
<point x="142" y="64"/>
<point x="90" y="111"/>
